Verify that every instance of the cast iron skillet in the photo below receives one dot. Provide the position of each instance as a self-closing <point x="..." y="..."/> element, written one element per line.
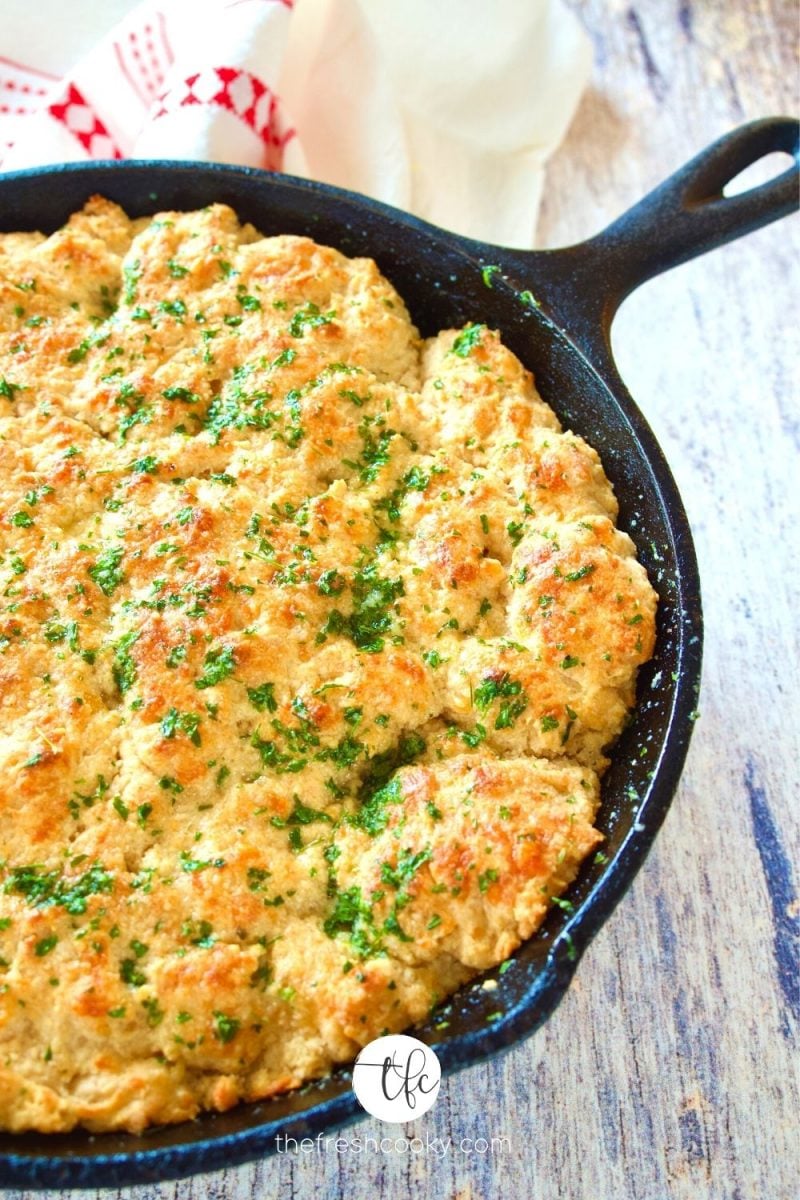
<point x="554" y="309"/>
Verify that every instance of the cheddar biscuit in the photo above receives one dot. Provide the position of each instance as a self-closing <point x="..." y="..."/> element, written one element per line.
<point x="314" y="638"/>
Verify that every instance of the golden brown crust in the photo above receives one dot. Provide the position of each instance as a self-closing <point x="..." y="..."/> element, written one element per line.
<point x="313" y="638"/>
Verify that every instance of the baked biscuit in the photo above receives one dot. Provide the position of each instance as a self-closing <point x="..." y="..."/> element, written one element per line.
<point x="314" y="637"/>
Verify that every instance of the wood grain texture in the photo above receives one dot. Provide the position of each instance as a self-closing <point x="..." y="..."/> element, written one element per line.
<point x="667" y="1072"/>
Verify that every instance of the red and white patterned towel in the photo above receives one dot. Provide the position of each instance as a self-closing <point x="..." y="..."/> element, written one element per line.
<point x="447" y="109"/>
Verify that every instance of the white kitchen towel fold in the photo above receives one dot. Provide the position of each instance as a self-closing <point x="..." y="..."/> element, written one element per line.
<point x="447" y="109"/>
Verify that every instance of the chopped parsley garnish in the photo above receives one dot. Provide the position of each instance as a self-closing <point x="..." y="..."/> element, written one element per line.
<point x="88" y="799"/>
<point x="572" y="717"/>
<point x="487" y="878"/>
<point x="188" y="723"/>
<point x="45" y="889"/>
<point x="309" y="317"/>
<point x="131" y="974"/>
<point x="175" y="308"/>
<point x="199" y="933"/>
<point x="474" y="737"/>
<point x="375" y="451"/>
<point x="225" y="1027"/>
<point x="236" y="408"/>
<point x="352" y="915"/>
<point x="176" y="656"/>
<point x="529" y="300"/>
<point x="581" y="573"/>
<point x="191" y="865"/>
<point x="373" y="816"/>
<point x="381" y="767"/>
<point x="372" y="616"/>
<point x="283" y="359"/>
<point x="467" y="340"/>
<point x="140" y="416"/>
<point x="515" y="531"/>
<point x="405" y="868"/>
<point x="415" y="480"/>
<point x="509" y="691"/>
<point x="248" y="303"/>
<point x="147" y="465"/>
<point x="218" y="665"/>
<point x="301" y="814"/>
<point x="155" y="1013"/>
<point x="180" y="393"/>
<point x="344" y="754"/>
<point x="131" y="274"/>
<point x="331" y="583"/>
<point x="262" y="698"/>
<point x="78" y="353"/>
<point x="106" y="571"/>
<point x="169" y="783"/>
<point x="7" y="388"/>
<point x="272" y="756"/>
<point x="124" y="668"/>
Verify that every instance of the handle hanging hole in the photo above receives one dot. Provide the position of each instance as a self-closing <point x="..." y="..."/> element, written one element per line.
<point x="768" y="167"/>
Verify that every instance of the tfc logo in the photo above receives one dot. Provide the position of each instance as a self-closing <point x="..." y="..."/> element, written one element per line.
<point x="396" y="1078"/>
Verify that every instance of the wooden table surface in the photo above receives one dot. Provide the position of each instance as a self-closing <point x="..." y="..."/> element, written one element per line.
<point x="668" y="1070"/>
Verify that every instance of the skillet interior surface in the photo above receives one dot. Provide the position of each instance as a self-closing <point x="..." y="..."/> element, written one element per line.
<point x="441" y="279"/>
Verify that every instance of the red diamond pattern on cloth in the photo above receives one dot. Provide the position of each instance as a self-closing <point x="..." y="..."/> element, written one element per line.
<point x="83" y="122"/>
<point x="241" y="93"/>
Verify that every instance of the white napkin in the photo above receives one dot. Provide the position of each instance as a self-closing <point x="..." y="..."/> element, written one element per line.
<point x="448" y="109"/>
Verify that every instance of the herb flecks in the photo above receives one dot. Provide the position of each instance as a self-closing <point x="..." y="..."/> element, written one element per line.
<point x="217" y="666"/>
<point x="107" y="571"/>
<point x="308" y="316"/>
<point x="352" y="915"/>
<point x="372" y="616"/>
<point x="467" y="340"/>
<point x="513" y="699"/>
<point x="48" y="889"/>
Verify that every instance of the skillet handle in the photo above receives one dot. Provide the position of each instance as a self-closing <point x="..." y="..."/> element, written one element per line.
<point x="683" y="217"/>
